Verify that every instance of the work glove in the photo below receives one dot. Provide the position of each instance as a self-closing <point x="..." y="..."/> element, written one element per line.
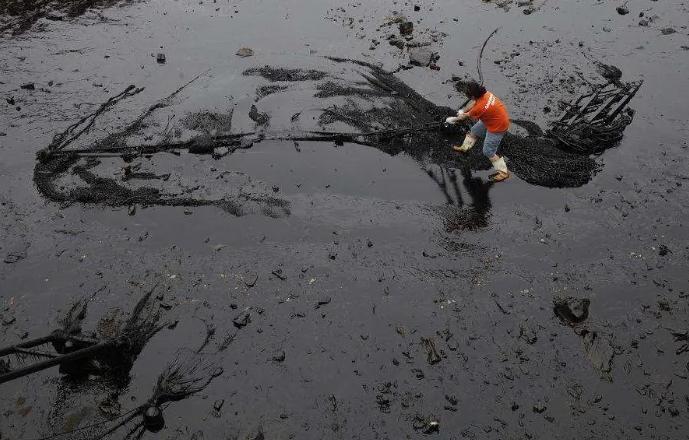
<point x="451" y="120"/>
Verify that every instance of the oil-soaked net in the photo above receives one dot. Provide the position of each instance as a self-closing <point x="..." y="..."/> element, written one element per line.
<point x="336" y="100"/>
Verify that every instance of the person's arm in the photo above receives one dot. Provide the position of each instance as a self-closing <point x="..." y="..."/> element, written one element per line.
<point x="462" y="113"/>
<point x="467" y="108"/>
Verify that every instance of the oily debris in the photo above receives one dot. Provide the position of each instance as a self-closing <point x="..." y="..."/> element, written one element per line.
<point x="362" y="104"/>
<point x="18" y="16"/>
<point x="275" y="74"/>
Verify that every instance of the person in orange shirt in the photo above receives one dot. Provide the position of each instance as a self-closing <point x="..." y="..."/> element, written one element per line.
<point x="492" y="124"/>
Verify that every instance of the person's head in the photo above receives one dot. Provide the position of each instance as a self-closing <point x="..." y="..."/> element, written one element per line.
<point x="473" y="90"/>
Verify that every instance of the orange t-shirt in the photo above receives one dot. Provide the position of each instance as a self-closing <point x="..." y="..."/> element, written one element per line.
<point x="492" y="112"/>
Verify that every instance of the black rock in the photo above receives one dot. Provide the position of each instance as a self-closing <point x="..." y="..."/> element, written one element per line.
<point x="571" y="310"/>
<point x="323" y="301"/>
<point x="667" y="31"/>
<point x="406" y="28"/>
<point x="242" y="320"/>
<point x="663" y="250"/>
<point x="622" y="10"/>
<point x="397" y="43"/>
<point x="417" y="8"/>
<point x="279" y="356"/>
<point x="160" y="58"/>
<point x="218" y="404"/>
<point x="28" y="86"/>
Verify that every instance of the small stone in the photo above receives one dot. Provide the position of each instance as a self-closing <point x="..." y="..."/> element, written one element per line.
<point x="242" y="320"/>
<point x="28" y="86"/>
<point x="323" y="301"/>
<point x="667" y="31"/>
<point x="250" y="280"/>
<point x="571" y="310"/>
<point x="245" y="52"/>
<point x="406" y="28"/>
<point x="622" y="10"/>
<point x="279" y="356"/>
<point x="421" y="56"/>
<point x="218" y="404"/>
<point x="160" y="58"/>
<point x="539" y="408"/>
<point x="397" y="43"/>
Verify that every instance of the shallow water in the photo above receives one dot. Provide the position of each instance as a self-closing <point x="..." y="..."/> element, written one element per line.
<point x="367" y="230"/>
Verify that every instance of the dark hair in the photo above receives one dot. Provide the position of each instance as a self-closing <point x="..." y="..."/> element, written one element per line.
<point x="474" y="90"/>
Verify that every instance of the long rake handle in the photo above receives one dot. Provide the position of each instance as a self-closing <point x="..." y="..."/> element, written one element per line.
<point x="73" y="356"/>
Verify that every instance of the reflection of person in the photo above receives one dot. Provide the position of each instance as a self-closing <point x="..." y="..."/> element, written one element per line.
<point x="493" y="122"/>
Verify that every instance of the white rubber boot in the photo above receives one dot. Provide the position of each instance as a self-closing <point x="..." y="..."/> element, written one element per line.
<point x="501" y="168"/>
<point x="466" y="145"/>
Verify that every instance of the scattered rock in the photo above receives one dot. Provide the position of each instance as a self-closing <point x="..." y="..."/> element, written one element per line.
<point x="527" y="334"/>
<point x="279" y="356"/>
<point x="278" y="273"/>
<point x="406" y="28"/>
<point x="322" y="302"/>
<point x="421" y="56"/>
<point x="242" y="320"/>
<point x="245" y="52"/>
<point x="539" y="408"/>
<point x="571" y="310"/>
<point x="397" y="43"/>
<point x="251" y="279"/>
<point x="28" y="86"/>
<point x="663" y="250"/>
<point x="432" y="355"/>
<point x="667" y="31"/>
<point x="427" y="425"/>
<point x="160" y="58"/>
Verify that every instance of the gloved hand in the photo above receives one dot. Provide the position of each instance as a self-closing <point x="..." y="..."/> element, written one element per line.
<point x="451" y="120"/>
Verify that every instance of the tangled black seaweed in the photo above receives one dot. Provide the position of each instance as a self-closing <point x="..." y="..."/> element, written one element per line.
<point x="375" y="109"/>
<point x="18" y="16"/>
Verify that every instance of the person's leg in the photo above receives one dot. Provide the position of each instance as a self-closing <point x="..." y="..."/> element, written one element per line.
<point x="490" y="150"/>
<point x="478" y="130"/>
